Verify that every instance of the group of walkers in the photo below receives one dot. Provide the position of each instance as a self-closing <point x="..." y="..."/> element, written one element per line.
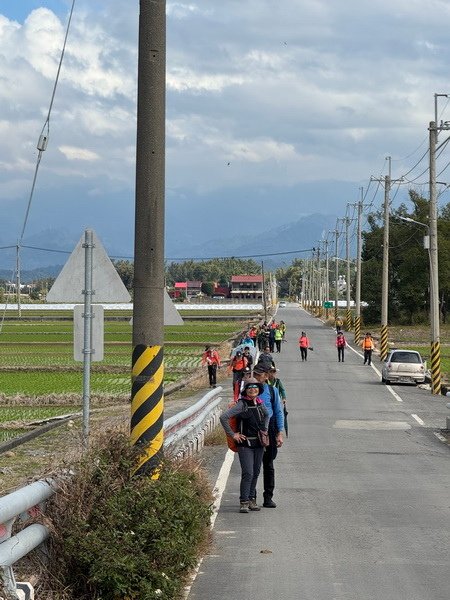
<point x="255" y="422"/>
<point x="272" y="335"/>
<point x="367" y="345"/>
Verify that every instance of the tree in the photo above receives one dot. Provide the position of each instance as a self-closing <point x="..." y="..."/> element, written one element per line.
<point x="408" y="263"/>
<point x="125" y="269"/>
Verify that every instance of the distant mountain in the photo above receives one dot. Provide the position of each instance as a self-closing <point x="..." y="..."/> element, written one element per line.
<point x="275" y="246"/>
<point x="291" y="239"/>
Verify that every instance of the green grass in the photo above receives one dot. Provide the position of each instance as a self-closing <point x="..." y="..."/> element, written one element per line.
<point x="10" y="434"/>
<point x="27" y="346"/>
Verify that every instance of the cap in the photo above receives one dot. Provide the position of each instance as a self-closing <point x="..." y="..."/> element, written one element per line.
<point x="238" y="353"/>
<point x="260" y="369"/>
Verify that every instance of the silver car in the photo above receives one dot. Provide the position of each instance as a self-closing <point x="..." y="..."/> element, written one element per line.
<point x="403" y="366"/>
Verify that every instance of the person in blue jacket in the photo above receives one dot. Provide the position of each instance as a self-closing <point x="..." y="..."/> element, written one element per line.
<point x="271" y="398"/>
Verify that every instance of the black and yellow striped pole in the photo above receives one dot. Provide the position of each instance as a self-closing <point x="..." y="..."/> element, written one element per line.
<point x="434" y="271"/>
<point x="348" y="319"/>
<point x="147" y="402"/>
<point x="436" y="368"/>
<point x="357" y="337"/>
<point x="383" y="342"/>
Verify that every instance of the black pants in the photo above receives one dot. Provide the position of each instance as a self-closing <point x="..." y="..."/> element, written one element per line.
<point x="368" y="357"/>
<point x="271" y="345"/>
<point x="212" y="373"/>
<point x="278" y="345"/>
<point x="269" y="456"/>
<point x="304" y="352"/>
<point x="341" y="353"/>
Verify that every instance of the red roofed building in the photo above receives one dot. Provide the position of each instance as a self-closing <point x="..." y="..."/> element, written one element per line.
<point x="247" y="286"/>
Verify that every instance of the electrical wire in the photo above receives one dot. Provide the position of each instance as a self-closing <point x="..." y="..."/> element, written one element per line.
<point x="45" y="132"/>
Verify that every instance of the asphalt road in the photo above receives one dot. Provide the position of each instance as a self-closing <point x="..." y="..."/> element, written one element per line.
<point x="362" y="487"/>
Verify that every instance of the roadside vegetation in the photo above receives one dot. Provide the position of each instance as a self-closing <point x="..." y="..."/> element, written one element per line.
<point x="115" y="536"/>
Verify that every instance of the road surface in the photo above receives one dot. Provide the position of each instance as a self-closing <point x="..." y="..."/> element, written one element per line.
<point x="362" y="487"/>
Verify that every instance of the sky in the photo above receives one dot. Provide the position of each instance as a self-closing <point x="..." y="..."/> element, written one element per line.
<point x="275" y="110"/>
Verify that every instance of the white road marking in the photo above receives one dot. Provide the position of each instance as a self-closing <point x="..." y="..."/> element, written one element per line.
<point x="388" y="387"/>
<point x="440" y="437"/>
<point x="219" y="489"/>
<point x="418" y="419"/>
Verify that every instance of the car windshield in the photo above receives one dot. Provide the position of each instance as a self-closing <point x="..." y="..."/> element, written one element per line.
<point x="405" y="357"/>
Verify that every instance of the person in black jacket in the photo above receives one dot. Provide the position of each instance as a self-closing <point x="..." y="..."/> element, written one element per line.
<point x="252" y="417"/>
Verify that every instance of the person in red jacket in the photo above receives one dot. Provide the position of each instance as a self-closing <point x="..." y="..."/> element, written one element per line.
<point x="237" y="366"/>
<point x="211" y="358"/>
<point x="303" y="342"/>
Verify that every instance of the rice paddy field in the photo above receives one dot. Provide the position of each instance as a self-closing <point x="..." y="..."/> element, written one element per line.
<point x="40" y="379"/>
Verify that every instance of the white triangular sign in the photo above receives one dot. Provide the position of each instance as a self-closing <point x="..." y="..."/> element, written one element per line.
<point x="106" y="283"/>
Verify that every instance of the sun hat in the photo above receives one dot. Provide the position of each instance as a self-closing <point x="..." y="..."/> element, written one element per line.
<point x="252" y="382"/>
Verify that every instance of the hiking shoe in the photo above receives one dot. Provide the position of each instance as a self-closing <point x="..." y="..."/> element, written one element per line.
<point x="269" y="503"/>
<point x="252" y="504"/>
<point x="244" y="507"/>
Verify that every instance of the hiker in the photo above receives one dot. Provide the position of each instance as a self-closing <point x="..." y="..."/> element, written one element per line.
<point x="252" y="417"/>
<point x="303" y="342"/>
<point x="283" y="330"/>
<point x="368" y="346"/>
<point x="276" y="382"/>
<point x="272" y="339"/>
<point x="249" y="357"/>
<point x="339" y="324"/>
<point x="278" y="338"/>
<point x="265" y="359"/>
<point x="237" y="366"/>
<point x="272" y="402"/>
<point x="211" y="358"/>
<point x="341" y="343"/>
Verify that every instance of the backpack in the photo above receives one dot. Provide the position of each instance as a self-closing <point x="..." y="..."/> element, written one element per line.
<point x="341" y="341"/>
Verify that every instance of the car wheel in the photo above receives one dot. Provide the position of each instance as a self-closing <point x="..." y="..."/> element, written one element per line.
<point x="387" y="382"/>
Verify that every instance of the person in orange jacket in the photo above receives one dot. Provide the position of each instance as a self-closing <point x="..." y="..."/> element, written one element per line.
<point x="303" y="342"/>
<point x="211" y="358"/>
<point x="368" y="346"/>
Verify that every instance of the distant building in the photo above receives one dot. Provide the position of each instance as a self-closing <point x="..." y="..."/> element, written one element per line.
<point x="187" y="288"/>
<point x="247" y="286"/>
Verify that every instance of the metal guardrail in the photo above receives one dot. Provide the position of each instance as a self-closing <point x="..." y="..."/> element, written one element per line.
<point x="184" y="435"/>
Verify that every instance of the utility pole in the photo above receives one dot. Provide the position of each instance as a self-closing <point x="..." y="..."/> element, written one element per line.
<point x="385" y="273"/>
<point x="18" y="284"/>
<point x="147" y="396"/>
<point x="319" y="284"/>
<point x="264" y="291"/>
<point x="348" y="314"/>
<point x="434" y="277"/>
<point x="327" y="278"/>
<point x="336" y="261"/>
<point x="358" y="274"/>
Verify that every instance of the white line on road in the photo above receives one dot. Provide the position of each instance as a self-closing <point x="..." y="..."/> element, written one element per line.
<point x="388" y="387"/>
<point x="219" y="489"/>
<point x="418" y="419"/>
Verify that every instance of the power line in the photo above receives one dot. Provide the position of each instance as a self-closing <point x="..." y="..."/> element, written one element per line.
<point x="181" y="258"/>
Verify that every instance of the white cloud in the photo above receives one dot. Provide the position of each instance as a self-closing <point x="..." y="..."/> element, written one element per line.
<point x="287" y="92"/>
<point x="72" y="153"/>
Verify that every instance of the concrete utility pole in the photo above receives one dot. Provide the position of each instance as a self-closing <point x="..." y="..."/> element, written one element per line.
<point x="348" y="314"/>
<point x="264" y="295"/>
<point x="336" y="261"/>
<point x="327" y="278"/>
<point x="358" y="274"/>
<point x="147" y="401"/>
<point x="434" y="276"/>
<point x="319" y="284"/>
<point x="385" y="275"/>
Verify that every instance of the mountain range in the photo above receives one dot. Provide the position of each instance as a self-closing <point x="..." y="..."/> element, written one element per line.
<point x="276" y="246"/>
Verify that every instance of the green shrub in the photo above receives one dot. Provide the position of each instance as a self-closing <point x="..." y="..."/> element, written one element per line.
<point x="123" y="537"/>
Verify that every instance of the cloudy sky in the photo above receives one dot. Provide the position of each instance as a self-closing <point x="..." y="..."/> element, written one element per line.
<point x="274" y="110"/>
